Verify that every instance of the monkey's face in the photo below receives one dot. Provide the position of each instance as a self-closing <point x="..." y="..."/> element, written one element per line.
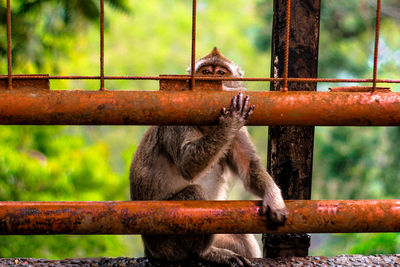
<point x="215" y="64"/>
<point x="214" y="70"/>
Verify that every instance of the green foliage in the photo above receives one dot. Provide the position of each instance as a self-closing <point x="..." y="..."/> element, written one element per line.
<point x="347" y="32"/>
<point x="43" y="29"/>
<point x="357" y="163"/>
<point x="39" y="163"/>
<point x="365" y="244"/>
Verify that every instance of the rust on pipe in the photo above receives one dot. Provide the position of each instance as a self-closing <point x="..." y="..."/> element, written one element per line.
<point x="358" y="89"/>
<point x="376" y="49"/>
<point x="182" y="217"/>
<point x="27" y="84"/>
<point x="182" y="85"/>
<point x="9" y="55"/>
<point x="78" y="107"/>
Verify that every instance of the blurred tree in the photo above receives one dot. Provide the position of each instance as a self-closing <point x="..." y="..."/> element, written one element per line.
<point x="347" y="32"/>
<point x="46" y="28"/>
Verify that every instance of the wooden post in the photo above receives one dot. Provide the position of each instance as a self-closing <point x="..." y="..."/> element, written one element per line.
<point x="290" y="148"/>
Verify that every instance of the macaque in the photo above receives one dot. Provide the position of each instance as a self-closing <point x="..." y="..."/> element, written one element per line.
<point x="193" y="162"/>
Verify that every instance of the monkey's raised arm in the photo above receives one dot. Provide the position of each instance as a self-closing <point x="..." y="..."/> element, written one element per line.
<point x="193" y="152"/>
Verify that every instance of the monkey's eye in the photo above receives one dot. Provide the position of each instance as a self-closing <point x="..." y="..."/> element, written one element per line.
<point x="205" y="71"/>
<point x="221" y="72"/>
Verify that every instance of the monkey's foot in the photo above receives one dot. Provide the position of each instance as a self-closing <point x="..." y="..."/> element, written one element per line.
<point x="225" y="257"/>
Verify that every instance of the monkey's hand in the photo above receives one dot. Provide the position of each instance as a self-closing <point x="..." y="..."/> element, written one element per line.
<point x="237" y="114"/>
<point x="274" y="208"/>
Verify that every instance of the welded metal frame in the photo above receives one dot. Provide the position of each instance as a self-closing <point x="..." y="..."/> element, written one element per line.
<point x="115" y="107"/>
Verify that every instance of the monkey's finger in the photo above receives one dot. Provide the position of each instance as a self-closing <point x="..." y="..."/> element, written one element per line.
<point x="264" y="210"/>
<point x="240" y="102"/>
<point x="233" y="104"/>
<point x="251" y="110"/>
<point x="245" y="104"/>
<point x="245" y="261"/>
<point x="235" y="261"/>
<point x="223" y="111"/>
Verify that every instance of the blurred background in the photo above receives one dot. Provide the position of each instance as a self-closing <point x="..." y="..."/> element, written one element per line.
<point x="87" y="163"/>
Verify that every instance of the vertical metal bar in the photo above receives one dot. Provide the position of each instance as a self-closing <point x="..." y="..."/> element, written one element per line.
<point x="287" y="40"/>
<point x="290" y="148"/>
<point x="9" y="55"/>
<point x="378" y="19"/>
<point x="194" y="13"/>
<point x="102" y="45"/>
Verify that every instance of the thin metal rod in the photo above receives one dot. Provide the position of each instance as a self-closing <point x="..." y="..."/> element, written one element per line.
<point x="202" y="78"/>
<point x="182" y="217"/>
<point x="193" y="59"/>
<point x="102" y="45"/>
<point x="376" y="49"/>
<point x="9" y="55"/>
<point x="46" y="107"/>
<point x="287" y="40"/>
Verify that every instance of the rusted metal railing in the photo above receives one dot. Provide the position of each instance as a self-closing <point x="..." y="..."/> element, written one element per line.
<point x="196" y="108"/>
<point x="198" y="78"/>
<point x="182" y="217"/>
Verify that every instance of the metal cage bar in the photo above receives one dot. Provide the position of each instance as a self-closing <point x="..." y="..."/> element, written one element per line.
<point x="102" y="45"/>
<point x="193" y="58"/>
<point x="376" y="48"/>
<point x="9" y="48"/>
<point x="182" y="217"/>
<point x="200" y="78"/>
<point x="196" y="108"/>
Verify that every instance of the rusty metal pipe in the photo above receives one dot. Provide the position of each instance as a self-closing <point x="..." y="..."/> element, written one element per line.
<point x="196" y="107"/>
<point x="174" y="217"/>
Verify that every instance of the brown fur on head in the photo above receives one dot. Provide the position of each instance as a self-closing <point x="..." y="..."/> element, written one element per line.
<point x="216" y="58"/>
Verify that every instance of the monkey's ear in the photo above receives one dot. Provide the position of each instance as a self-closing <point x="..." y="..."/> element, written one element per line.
<point x="188" y="70"/>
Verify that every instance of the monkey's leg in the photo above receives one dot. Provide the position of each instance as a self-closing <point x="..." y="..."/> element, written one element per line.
<point x="183" y="247"/>
<point x="178" y="247"/>
<point x="242" y="244"/>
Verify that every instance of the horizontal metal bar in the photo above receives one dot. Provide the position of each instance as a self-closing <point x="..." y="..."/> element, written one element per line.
<point x="43" y="107"/>
<point x="181" y="217"/>
<point x="204" y="78"/>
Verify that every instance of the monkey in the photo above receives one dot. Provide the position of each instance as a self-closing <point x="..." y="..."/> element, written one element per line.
<point x="192" y="162"/>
